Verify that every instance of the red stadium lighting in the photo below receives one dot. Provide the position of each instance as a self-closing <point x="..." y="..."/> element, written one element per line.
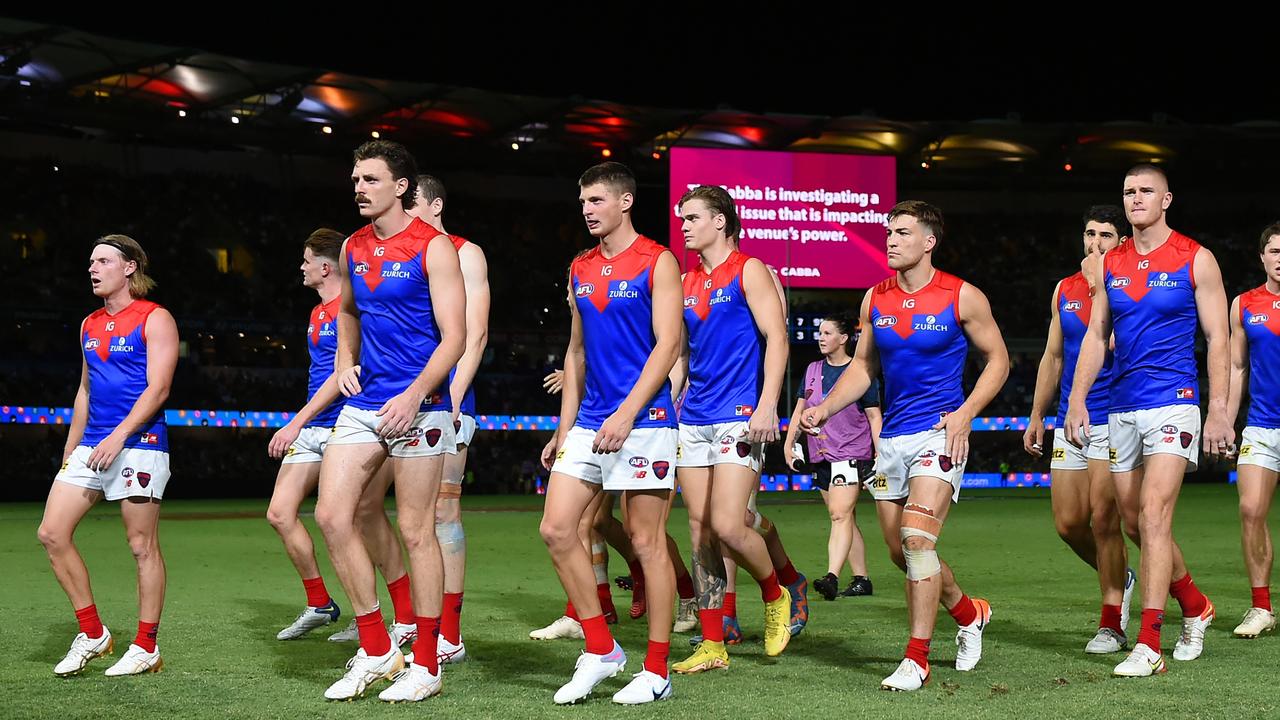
<point x="657" y="155"/>
<point x="1067" y="167"/>
<point x="606" y="152"/>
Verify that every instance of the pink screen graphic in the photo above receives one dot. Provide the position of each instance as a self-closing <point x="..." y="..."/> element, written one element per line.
<point x="818" y="219"/>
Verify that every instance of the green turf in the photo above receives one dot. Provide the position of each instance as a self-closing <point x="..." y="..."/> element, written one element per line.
<point x="231" y="588"/>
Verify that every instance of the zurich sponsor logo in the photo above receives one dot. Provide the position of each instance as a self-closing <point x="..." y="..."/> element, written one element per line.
<point x="930" y="323"/>
<point x="639" y="462"/>
<point x="1163" y="281"/>
<point x="1120" y="282"/>
<point x="886" y="321"/>
<point x="1257" y="319"/>
<point x="361" y="268"/>
<point x="395" y="272"/>
<point x="720" y="297"/>
<point x="585" y="289"/>
<point x="621" y="289"/>
<point x="1073" y="306"/>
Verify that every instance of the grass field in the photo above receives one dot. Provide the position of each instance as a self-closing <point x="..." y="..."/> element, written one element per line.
<point x="231" y="588"/>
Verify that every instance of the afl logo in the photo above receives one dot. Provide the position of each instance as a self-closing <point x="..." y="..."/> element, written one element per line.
<point x="311" y="329"/>
<point x="639" y="462"/>
<point x="691" y="301"/>
<point x="1073" y="306"/>
<point x="1257" y="319"/>
<point x="361" y="268"/>
<point x="92" y="344"/>
<point x="1169" y="430"/>
<point x="585" y="289"/>
<point x="886" y="321"/>
<point x="1120" y="282"/>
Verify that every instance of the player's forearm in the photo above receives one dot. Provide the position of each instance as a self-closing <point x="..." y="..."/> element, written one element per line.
<point x="469" y="365"/>
<point x="851" y="385"/>
<point x="347" y="354"/>
<point x="1046" y="384"/>
<point x="436" y="371"/>
<point x="325" y="396"/>
<point x="79" y="419"/>
<point x="575" y="367"/>
<point x="1092" y="352"/>
<point x="148" y="404"/>
<point x="1235" y="392"/>
<point x="656" y="371"/>
<point x="1217" y="360"/>
<point x="988" y="386"/>
<point x="679" y="376"/>
<point x="793" y="427"/>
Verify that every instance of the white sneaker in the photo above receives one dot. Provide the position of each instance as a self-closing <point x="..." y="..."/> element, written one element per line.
<point x="310" y="619"/>
<point x="1256" y="621"/>
<point x="1191" y="642"/>
<point x="403" y="633"/>
<point x="1106" y="641"/>
<point x="1142" y="662"/>
<point x="1130" y="584"/>
<point x="412" y="684"/>
<point x="563" y="627"/>
<point x="590" y="671"/>
<point x="447" y="652"/>
<point x="84" y="648"/>
<point x="362" y="671"/>
<point x="969" y="637"/>
<point x="136" y="661"/>
<point x="644" y="687"/>
<point x="349" y="634"/>
<point x="909" y="676"/>
<point x="686" y="617"/>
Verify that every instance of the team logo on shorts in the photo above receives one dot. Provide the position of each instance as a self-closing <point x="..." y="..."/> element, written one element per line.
<point x="144" y="479"/>
<point x="433" y="436"/>
<point x="660" y="468"/>
<point x="1059" y="453"/>
<point x="886" y="321"/>
<point x="127" y="472"/>
<point x="639" y="462"/>
<point x="657" y="413"/>
<point x="1186" y="438"/>
<point x="584" y="290"/>
<point x="744" y="449"/>
<point x="944" y="463"/>
<point x="361" y="268"/>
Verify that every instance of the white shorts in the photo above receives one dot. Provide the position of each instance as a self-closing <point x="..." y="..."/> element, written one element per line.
<point x="917" y="455"/>
<point x="431" y="433"/>
<point x="135" y="473"/>
<point x="309" y="447"/>
<point x="646" y="462"/>
<point x="465" y="430"/>
<point x="1069" y="457"/>
<point x="721" y="443"/>
<point x="1260" y="446"/>
<point x="1171" y="429"/>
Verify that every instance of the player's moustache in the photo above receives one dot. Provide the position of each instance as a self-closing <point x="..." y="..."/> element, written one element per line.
<point x="360" y="198"/>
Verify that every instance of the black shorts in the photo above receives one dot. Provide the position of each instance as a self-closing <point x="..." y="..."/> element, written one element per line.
<point x="823" y="480"/>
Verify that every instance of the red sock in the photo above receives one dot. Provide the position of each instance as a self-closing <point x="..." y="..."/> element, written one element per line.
<point x="655" y="661"/>
<point x="637" y="573"/>
<point x="426" y="646"/>
<point x="731" y="605"/>
<point x="787" y="574"/>
<point x="146" y="637"/>
<point x="450" y="618"/>
<point x="684" y="586"/>
<point x="570" y="611"/>
<point x="1111" y="618"/>
<point x="91" y="624"/>
<point x="918" y="650"/>
<point x="1189" y="597"/>
<point x="1149" y="635"/>
<point x="317" y="595"/>
<point x="770" y="590"/>
<point x="712" y="624"/>
<point x="402" y="600"/>
<point x="1261" y="599"/>
<point x="599" y="640"/>
<point x="373" y="634"/>
<point x="606" y="597"/>
<point x="964" y="612"/>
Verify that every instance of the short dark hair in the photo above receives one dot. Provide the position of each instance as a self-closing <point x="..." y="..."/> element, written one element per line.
<point x="718" y="200"/>
<point x="430" y="187"/>
<point x="1268" y="232"/>
<point x="399" y="160"/>
<point x="1144" y="168"/>
<point x="1107" y="214"/>
<point x="923" y="212"/>
<point x="325" y="243"/>
<point x="615" y="175"/>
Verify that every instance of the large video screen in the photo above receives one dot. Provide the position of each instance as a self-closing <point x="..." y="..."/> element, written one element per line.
<point x="818" y="219"/>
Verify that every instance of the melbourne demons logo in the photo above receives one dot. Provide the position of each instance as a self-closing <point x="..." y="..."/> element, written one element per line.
<point x="585" y="289"/>
<point x="1120" y="282"/>
<point x="660" y="469"/>
<point x="886" y="321"/>
<point x="1073" y="306"/>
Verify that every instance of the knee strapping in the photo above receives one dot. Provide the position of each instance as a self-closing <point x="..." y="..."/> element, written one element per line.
<point x="450" y="534"/>
<point x="450" y="491"/>
<point x="759" y="522"/>
<point x="919" y="521"/>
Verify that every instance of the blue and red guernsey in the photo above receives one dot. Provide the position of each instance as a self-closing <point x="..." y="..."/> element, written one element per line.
<point x="1074" y="305"/>
<point x="1153" y="311"/>
<point x="115" y="350"/>
<point x="1260" y="315"/>
<point x="726" y="349"/>
<point x="322" y="344"/>
<point x="398" y="330"/>
<point x="614" y="298"/>
<point x="922" y="352"/>
<point x="468" y="406"/>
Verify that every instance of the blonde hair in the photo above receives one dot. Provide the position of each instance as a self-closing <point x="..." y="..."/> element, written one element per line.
<point x="139" y="282"/>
